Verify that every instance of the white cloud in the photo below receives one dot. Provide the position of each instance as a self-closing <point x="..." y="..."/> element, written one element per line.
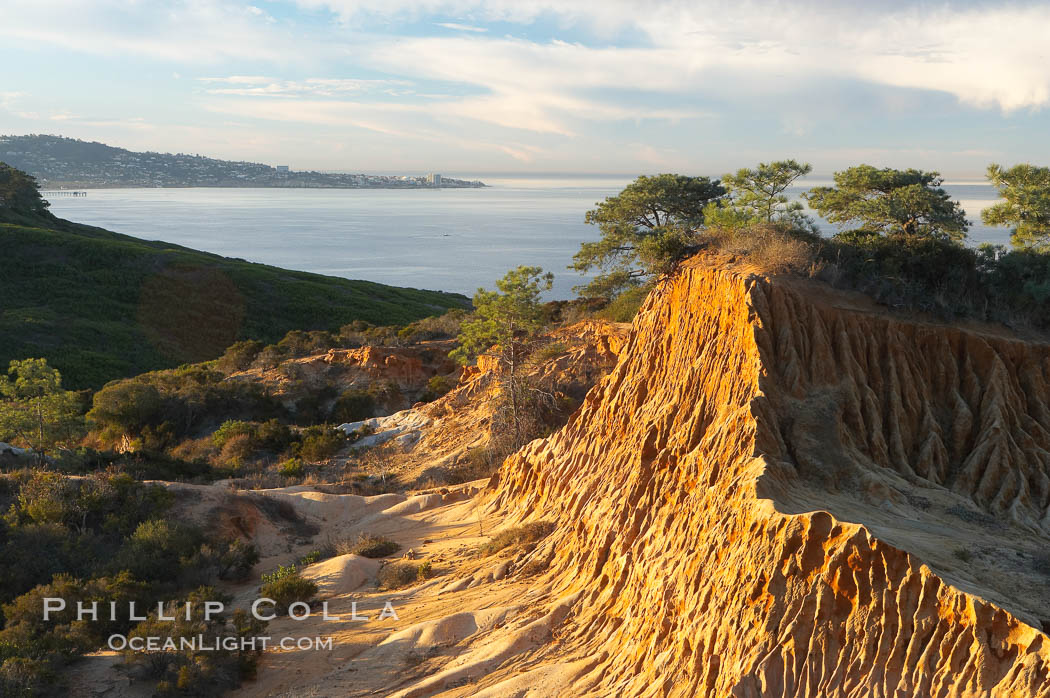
<point x="11" y="101"/>
<point x="462" y="27"/>
<point x="180" y="31"/>
<point x="255" y="86"/>
<point x="986" y="56"/>
<point x="571" y="73"/>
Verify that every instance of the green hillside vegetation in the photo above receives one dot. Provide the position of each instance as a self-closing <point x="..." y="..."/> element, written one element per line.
<point x="99" y="305"/>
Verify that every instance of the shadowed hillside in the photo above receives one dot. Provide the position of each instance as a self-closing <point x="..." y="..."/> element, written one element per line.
<point x="99" y="305"/>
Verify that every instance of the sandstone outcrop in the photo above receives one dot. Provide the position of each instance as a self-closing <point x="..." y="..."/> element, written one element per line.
<point x="784" y="491"/>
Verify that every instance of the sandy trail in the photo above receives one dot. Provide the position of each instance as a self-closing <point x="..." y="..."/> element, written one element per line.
<point x="432" y="629"/>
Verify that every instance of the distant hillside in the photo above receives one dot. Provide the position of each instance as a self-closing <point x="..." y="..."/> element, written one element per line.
<point x="99" y="305"/>
<point x="59" y="162"/>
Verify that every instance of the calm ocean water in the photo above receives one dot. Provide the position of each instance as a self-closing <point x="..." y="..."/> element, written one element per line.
<point x="448" y="239"/>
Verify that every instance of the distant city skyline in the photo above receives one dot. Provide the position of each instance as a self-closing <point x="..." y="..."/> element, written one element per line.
<point x="485" y="87"/>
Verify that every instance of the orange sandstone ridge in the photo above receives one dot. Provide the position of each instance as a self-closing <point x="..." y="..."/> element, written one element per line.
<point x="779" y="491"/>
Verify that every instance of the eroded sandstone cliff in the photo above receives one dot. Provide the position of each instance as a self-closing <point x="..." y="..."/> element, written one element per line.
<point x="782" y="491"/>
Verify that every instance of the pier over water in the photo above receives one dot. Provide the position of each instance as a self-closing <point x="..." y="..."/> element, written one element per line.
<point x="62" y="192"/>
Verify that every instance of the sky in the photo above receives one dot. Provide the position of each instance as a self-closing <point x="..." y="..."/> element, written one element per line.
<point x="470" y="87"/>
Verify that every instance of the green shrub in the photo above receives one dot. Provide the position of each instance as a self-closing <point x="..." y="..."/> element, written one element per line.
<point x="384" y="392"/>
<point x="548" y="351"/>
<point x="280" y="573"/>
<point x="286" y="588"/>
<point x="292" y="468"/>
<point x="273" y="436"/>
<point x="353" y="405"/>
<point x="625" y="305"/>
<point x="126" y="407"/>
<point x="62" y="634"/>
<point x="99" y="540"/>
<point x="320" y="443"/>
<point x="398" y="574"/>
<point x="22" y="677"/>
<point x="523" y="535"/>
<point x="239" y="356"/>
<point x="368" y="545"/>
<point x="228" y="560"/>
<point x="438" y="386"/>
<point x="270" y="357"/>
<point x="297" y="343"/>
<point x="200" y="672"/>
<point x="438" y="327"/>
<point x="311" y="557"/>
<point x="241" y="441"/>
<point x="229" y="429"/>
<point x="156" y="550"/>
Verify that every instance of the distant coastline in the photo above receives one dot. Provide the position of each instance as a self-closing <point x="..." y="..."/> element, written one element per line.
<point x="67" y="163"/>
<point x="52" y="185"/>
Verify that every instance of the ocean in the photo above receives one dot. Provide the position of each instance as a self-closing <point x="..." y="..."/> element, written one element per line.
<point x="447" y="239"/>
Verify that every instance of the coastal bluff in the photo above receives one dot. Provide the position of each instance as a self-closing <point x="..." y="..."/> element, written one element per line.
<point x="785" y="490"/>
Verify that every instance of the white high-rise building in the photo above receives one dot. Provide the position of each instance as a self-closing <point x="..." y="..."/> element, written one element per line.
<point x="434" y="180"/>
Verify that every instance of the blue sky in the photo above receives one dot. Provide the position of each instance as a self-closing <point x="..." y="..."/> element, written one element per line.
<point x="475" y="86"/>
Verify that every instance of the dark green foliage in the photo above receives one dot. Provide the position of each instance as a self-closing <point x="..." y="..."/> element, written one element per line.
<point x="55" y="525"/>
<point x="20" y="193"/>
<point x="240" y="442"/>
<point x="1026" y="205"/>
<point x="501" y="316"/>
<point x="273" y="436"/>
<point x="22" y="677"/>
<point x="26" y="630"/>
<point x="925" y="273"/>
<point x="625" y="305"/>
<point x="360" y="333"/>
<point x="240" y="356"/>
<point x="645" y="229"/>
<point x="201" y="673"/>
<point x="292" y="468"/>
<point x="286" y="586"/>
<point x="353" y="406"/>
<point x="431" y="328"/>
<point x="156" y="550"/>
<point x="298" y="343"/>
<point x="232" y="560"/>
<point x="230" y="429"/>
<point x="320" y="443"/>
<point x="909" y="203"/>
<point x="155" y="465"/>
<point x="35" y="411"/>
<point x="437" y="386"/>
<point x="99" y="538"/>
<point x="127" y="407"/>
<point x="757" y="195"/>
<point x="369" y="545"/>
<point x="941" y="277"/>
<point x="178" y="403"/>
<point x="99" y="305"/>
